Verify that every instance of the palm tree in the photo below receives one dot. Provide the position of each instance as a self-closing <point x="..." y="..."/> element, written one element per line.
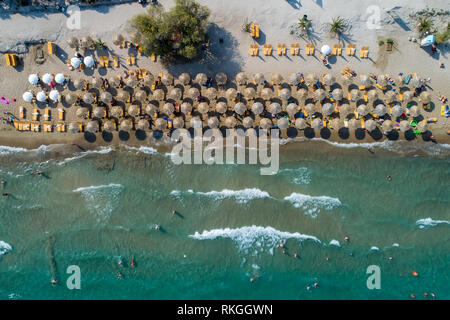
<point x="424" y="25"/>
<point x="304" y="25"/>
<point x="99" y="44"/>
<point x="338" y="26"/>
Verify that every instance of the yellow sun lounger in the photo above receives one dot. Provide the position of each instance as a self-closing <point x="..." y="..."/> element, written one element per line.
<point x="124" y="44"/>
<point x="380" y="87"/>
<point x="312" y="49"/>
<point x="283" y="49"/>
<point x="47" y="114"/>
<point x="361" y="52"/>
<point x="153" y="57"/>
<point x="335" y="50"/>
<point x="255" y="50"/>
<point x="292" y="49"/>
<point x="21" y="112"/>
<point x="26" y="126"/>
<point x="307" y="49"/>
<point x="269" y="50"/>
<point x="297" y="49"/>
<point x="324" y="122"/>
<point x="339" y="50"/>
<point x="116" y="62"/>
<point x="47" y="126"/>
<point x="265" y="49"/>
<point x="279" y="50"/>
<point x="106" y="61"/>
<point x="51" y="47"/>
<point x="60" y="126"/>
<point x="366" y="52"/>
<point x="35" y="126"/>
<point x="61" y="114"/>
<point x="133" y="59"/>
<point x="400" y="96"/>
<point x="346" y="123"/>
<point x="365" y="96"/>
<point x="140" y="50"/>
<point x="129" y="61"/>
<point x="80" y="126"/>
<point x="252" y="30"/>
<point x="256" y="31"/>
<point x="363" y="123"/>
<point x="101" y="62"/>
<point x="35" y="114"/>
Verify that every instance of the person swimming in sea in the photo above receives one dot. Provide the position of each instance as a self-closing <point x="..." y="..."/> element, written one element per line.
<point x="388" y="178"/>
<point x="3" y="183"/>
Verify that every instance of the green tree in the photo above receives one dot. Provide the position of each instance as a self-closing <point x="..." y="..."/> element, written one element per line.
<point x="338" y="26"/>
<point x="178" y="32"/>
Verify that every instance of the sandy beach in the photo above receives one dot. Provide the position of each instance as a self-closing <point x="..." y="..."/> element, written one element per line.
<point x="228" y="53"/>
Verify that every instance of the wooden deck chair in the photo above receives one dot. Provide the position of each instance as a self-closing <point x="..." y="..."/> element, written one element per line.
<point x="61" y="114"/>
<point x="47" y="114"/>
<point x="292" y="49"/>
<point x="50" y="47"/>
<point x="255" y="50"/>
<point x="21" y="112"/>
<point x="366" y="53"/>
<point x="297" y="49"/>
<point x="35" y="114"/>
<point x="252" y="30"/>
<point x="312" y="49"/>
<point x="269" y="49"/>
<point x="284" y="49"/>
<point x="339" y="50"/>
<point x="279" y="91"/>
<point x="20" y="125"/>
<point x="256" y="31"/>
<point x="335" y="50"/>
<point x="251" y="50"/>
<point x="265" y="49"/>
<point x="279" y="50"/>
<point x="116" y="62"/>
<point x="307" y="49"/>
<point x="133" y="59"/>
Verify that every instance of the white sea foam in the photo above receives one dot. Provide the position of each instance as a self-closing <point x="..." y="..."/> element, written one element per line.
<point x="101" y="200"/>
<point x="312" y="205"/>
<point x="101" y="150"/>
<point x="395" y="245"/>
<point x="4" y="247"/>
<point x="428" y="222"/>
<point x="374" y="248"/>
<point x="253" y="237"/>
<point x="297" y="175"/>
<point x="241" y="196"/>
<point x="335" y="243"/>
<point x="143" y="149"/>
<point x="5" y="150"/>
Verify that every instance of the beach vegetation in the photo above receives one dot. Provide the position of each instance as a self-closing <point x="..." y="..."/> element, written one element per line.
<point x="246" y="27"/>
<point x="338" y="26"/>
<point x="389" y="41"/>
<point x="380" y="43"/>
<point x="304" y="25"/>
<point x="424" y="25"/>
<point x="100" y="45"/>
<point x="444" y="36"/>
<point x="177" y="33"/>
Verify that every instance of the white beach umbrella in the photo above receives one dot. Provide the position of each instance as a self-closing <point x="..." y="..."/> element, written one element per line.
<point x="88" y="61"/>
<point x="211" y="93"/>
<point x="319" y="94"/>
<point x="364" y="80"/>
<point x="27" y="96"/>
<point x="231" y="93"/>
<point x="381" y="80"/>
<point x="133" y="110"/>
<point x="250" y="93"/>
<point x="96" y="82"/>
<point x="158" y="94"/>
<point x="329" y="79"/>
<point x="47" y="78"/>
<point x="88" y="97"/>
<point x="301" y="93"/>
<point x="131" y="82"/>
<point x="193" y="93"/>
<point x="74" y="127"/>
<point x="221" y="78"/>
<point x="300" y="123"/>
<point x="59" y="78"/>
<point x="221" y="107"/>
<point x="292" y="108"/>
<point x="178" y="123"/>
<point x="397" y="110"/>
<point x="372" y="95"/>
<point x="370" y="125"/>
<point x="407" y="96"/>
<point x="294" y="79"/>
<point x="126" y="125"/>
<point x="201" y="78"/>
<point x="275" y="108"/>
<point x="184" y="78"/>
<point x="70" y="98"/>
<point x="353" y="124"/>
<point x="414" y="111"/>
<point x="109" y="126"/>
<point x="239" y="108"/>
<point x="41" y="96"/>
<point x="422" y="126"/>
<point x="325" y="50"/>
<point x="143" y="125"/>
<point x="387" y="125"/>
<point x="380" y="110"/>
<point x="285" y="93"/>
<point x="257" y="108"/>
<point x="92" y="126"/>
<point x="425" y="97"/>
<point x="247" y="122"/>
<point x="310" y="108"/>
<point x="337" y="94"/>
<point x="258" y="78"/>
<point x="404" y="126"/>
<point x="33" y="78"/>
<point x="230" y="122"/>
<point x="150" y="108"/>
<point x="203" y="107"/>
<point x="78" y="83"/>
<point x="106" y="97"/>
<point x="117" y="111"/>
<point x="75" y="62"/>
<point x="213" y="122"/>
<point x="241" y="78"/>
<point x="99" y="112"/>
<point x="196" y="122"/>
<point x="283" y="123"/>
<point x="265" y="123"/>
<point x="363" y="110"/>
<point x="167" y="79"/>
<point x="186" y="107"/>
<point x="276" y="78"/>
<point x="416" y="82"/>
<point x="266" y="93"/>
<point x="168" y="108"/>
<point x="175" y="94"/>
<point x="355" y="94"/>
<point x="327" y="109"/>
<point x="53" y="95"/>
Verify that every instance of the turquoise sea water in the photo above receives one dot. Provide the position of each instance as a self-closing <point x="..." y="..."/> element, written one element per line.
<point x="93" y="209"/>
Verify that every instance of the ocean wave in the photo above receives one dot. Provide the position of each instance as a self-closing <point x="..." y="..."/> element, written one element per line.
<point x="4" y="248"/>
<point x="300" y="175"/>
<point x="311" y="204"/>
<point x="255" y="238"/>
<point x="5" y="150"/>
<point x="374" y="248"/>
<point x="91" y="188"/>
<point x="241" y="196"/>
<point x="428" y="222"/>
<point x="143" y="149"/>
<point x="334" y="242"/>
<point x="101" y="150"/>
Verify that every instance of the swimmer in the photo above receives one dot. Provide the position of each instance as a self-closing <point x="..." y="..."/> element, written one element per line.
<point x="5" y="194"/>
<point x="38" y="173"/>
<point x="425" y="294"/>
<point x="284" y="251"/>
<point x="3" y="183"/>
<point x="316" y="284"/>
<point x="347" y="238"/>
<point x="308" y="288"/>
<point x="326" y="258"/>
<point x="281" y="245"/>
<point x="252" y="279"/>
<point x="389" y="178"/>
<point x="432" y="295"/>
<point x="173" y="212"/>
<point x="132" y="262"/>
<point x="412" y="296"/>
<point x="390" y="258"/>
<point x="119" y="275"/>
<point x="415" y="274"/>
<point x="157" y="227"/>
<point x="119" y="263"/>
<point x="295" y="255"/>
<point x="53" y="282"/>
<point x="351" y="254"/>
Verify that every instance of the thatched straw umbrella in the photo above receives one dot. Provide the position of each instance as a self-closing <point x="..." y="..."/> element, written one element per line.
<point x="143" y="125"/>
<point x="257" y="108"/>
<point x="186" y="107"/>
<point x="416" y="82"/>
<point x="73" y="42"/>
<point x="274" y="108"/>
<point x="126" y="125"/>
<point x="99" y="112"/>
<point x="96" y="82"/>
<point x="317" y="124"/>
<point x="353" y="124"/>
<point x="370" y="125"/>
<point x="408" y="96"/>
<point x="422" y="126"/>
<point x="196" y="122"/>
<point x="390" y="95"/>
<point x="131" y="82"/>
<point x="404" y="126"/>
<point x="266" y="93"/>
<point x="327" y="109"/>
<point x="372" y="95"/>
<point x="78" y="83"/>
<point x="109" y="126"/>
<point x="168" y="108"/>
<point x="150" y="109"/>
<point x="336" y="123"/>
<point x="346" y="79"/>
<point x="158" y="94"/>
<point x="292" y="108"/>
<point x="175" y="94"/>
<point x="283" y="123"/>
<point x="88" y="98"/>
<point x="265" y="123"/>
<point x="363" y="110"/>
<point x="231" y="93"/>
<point x="140" y="95"/>
<point x="301" y="93"/>
<point x="184" y="78"/>
<point x="320" y="94"/>
<point x="381" y="80"/>
<point x="123" y="95"/>
<point x="241" y="78"/>
<point x="285" y="93"/>
<point x="221" y="107"/>
<point x="114" y="81"/>
<point x="87" y="41"/>
<point x="380" y="110"/>
<point x="247" y="122"/>
<point x="160" y="124"/>
<point x="310" y="108"/>
<point x="74" y="127"/>
<point x="149" y="79"/>
<point x="337" y="94"/>
<point x="178" y="123"/>
<point x="92" y="126"/>
<point x="294" y="79"/>
<point x="70" y="98"/>
<point x="221" y="78"/>
<point x="203" y="107"/>
<point x="250" y="93"/>
<point x="329" y="79"/>
<point x="414" y="111"/>
<point x="167" y="79"/>
<point x="117" y="111"/>
<point x="230" y="122"/>
<point x="364" y="80"/>
<point x="344" y="110"/>
<point x="133" y="110"/>
<point x="276" y="78"/>
<point x="193" y="93"/>
<point x="118" y="39"/>
<point x="387" y="125"/>
<point x="355" y="94"/>
<point x="213" y="122"/>
<point x="311" y="78"/>
<point x="106" y="97"/>
<point x="397" y="111"/>
<point x="211" y="93"/>
<point x="259" y="78"/>
<point x="201" y="78"/>
<point x="300" y="123"/>
<point x="425" y="97"/>
<point x="239" y="108"/>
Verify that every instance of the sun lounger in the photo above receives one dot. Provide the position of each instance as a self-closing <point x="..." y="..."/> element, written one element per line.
<point x="129" y="61"/>
<point x="101" y="62"/>
<point x="311" y="49"/>
<point x="106" y="61"/>
<point x="365" y="96"/>
<point x="349" y="49"/>
<point x="255" y="50"/>
<point x="133" y="59"/>
<point x="252" y="30"/>
<point x="19" y="125"/>
<point x="363" y="123"/>
<point x="26" y="126"/>
<point x="324" y="122"/>
<point x="361" y="52"/>
<point x="61" y="114"/>
<point x="116" y="62"/>
<point x="47" y="126"/>
<point x="60" y="126"/>
<point x="47" y="114"/>
<point x="366" y="52"/>
<point x="339" y="50"/>
<point x="80" y="126"/>
<point x="85" y="85"/>
<point x="50" y="47"/>
<point x="153" y="57"/>
<point x="292" y="49"/>
<point x="400" y="96"/>
<point x="35" y="114"/>
<point x="335" y="49"/>
<point x="297" y="49"/>
<point x="307" y="49"/>
<point x="346" y="123"/>
<point x="265" y="49"/>
<point x="279" y="50"/>
<point x="353" y="49"/>
<point x="269" y="49"/>
<point x="380" y="87"/>
<point x="35" y="126"/>
<point x="124" y="44"/>
<point x="21" y="112"/>
<point x="283" y="49"/>
<point x="140" y="50"/>
<point x="256" y="31"/>
<point x="251" y="49"/>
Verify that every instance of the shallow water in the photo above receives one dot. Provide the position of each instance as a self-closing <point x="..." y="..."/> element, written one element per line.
<point x="93" y="209"/>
